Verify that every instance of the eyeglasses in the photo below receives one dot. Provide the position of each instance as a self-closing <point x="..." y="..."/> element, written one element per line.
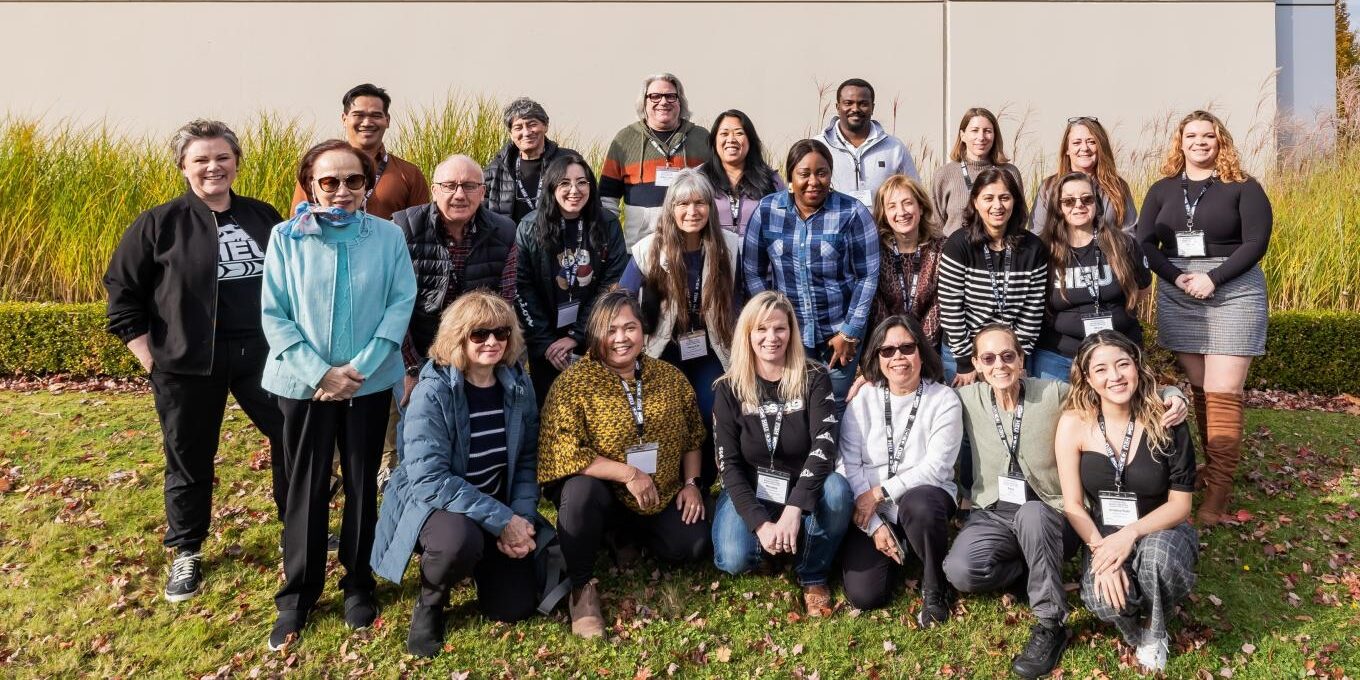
<point x="1078" y="119"/>
<point x="657" y="97"/>
<point x="453" y="187"/>
<point x="1006" y="357"/>
<point x="331" y="185"/>
<point x="1070" y="201"/>
<point x="888" y="352"/>
<point x="480" y="335"/>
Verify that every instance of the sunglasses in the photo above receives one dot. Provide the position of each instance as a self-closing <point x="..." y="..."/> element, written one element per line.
<point x="1006" y="357"/>
<point x="480" y="335"/>
<point x="657" y="97"/>
<point x="907" y="349"/>
<point x="1078" y="119"/>
<point x="1071" y="201"/>
<point x="331" y="185"/>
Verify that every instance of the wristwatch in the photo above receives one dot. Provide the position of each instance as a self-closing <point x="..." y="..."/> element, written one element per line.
<point x="413" y="372"/>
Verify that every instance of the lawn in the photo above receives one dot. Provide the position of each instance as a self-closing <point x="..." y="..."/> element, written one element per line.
<point x="81" y="573"/>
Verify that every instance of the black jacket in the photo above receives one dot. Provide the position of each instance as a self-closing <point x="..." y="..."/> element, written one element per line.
<point x="428" y="243"/>
<point x="162" y="278"/>
<point x="500" y="175"/>
<point x="536" y="282"/>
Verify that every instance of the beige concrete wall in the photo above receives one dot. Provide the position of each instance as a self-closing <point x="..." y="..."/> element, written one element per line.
<point x="147" y="67"/>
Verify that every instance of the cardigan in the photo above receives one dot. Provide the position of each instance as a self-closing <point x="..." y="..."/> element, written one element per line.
<point x="892" y="290"/>
<point x="664" y="331"/>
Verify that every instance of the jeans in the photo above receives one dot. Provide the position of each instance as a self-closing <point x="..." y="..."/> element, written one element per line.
<point x="736" y="550"/>
<point x="842" y="377"/>
<point x="1050" y="365"/>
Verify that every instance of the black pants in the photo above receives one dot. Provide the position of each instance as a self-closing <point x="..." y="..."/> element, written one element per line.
<point x="869" y="576"/>
<point x="190" y="409"/>
<point x="313" y="431"/>
<point x="543" y="373"/>
<point x="587" y="506"/>
<point x="456" y="547"/>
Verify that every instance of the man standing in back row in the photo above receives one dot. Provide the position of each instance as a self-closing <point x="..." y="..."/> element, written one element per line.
<point x="865" y="154"/>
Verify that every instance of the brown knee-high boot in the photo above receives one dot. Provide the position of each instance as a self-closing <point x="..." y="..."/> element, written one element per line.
<point x="1224" y="450"/>
<point x="1202" y="421"/>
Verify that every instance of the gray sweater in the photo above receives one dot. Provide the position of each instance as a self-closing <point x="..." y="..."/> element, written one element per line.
<point x="1039" y="210"/>
<point x="950" y="194"/>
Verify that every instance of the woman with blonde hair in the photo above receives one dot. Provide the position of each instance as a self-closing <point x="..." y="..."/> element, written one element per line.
<point x="911" y="242"/>
<point x="979" y="146"/>
<point x="1204" y="228"/>
<point x="1085" y="148"/>
<point x="467" y="489"/>
<point x="775" y="426"/>
<point x="1127" y="497"/>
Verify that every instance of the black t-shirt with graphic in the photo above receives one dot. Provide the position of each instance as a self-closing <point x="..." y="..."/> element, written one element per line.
<point x="1069" y="300"/>
<point x="240" y="264"/>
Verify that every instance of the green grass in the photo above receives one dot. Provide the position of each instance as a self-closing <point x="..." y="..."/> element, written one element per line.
<point x="81" y="571"/>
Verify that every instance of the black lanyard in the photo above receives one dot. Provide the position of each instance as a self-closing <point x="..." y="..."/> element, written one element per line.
<point x="377" y="177"/>
<point x="967" y="181"/>
<point x="523" y="194"/>
<point x="1013" y="444"/>
<point x="635" y="402"/>
<point x="695" y="291"/>
<point x="999" y="293"/>
<point x="734" y="202"/>
<point x="907" y="295"/>
<point x="1091" y="277"/>
<point x="674" y="149"/>
<point x="469" y="232"/>
<point x="1190" y="208"/>
<point x="896" y="453"/>
<point x="570" y="272"/>
<point x="1123" y="460"/>
<point x="772" y="434"/>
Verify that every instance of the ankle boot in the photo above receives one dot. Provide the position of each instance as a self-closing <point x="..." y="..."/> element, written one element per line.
<point x="587" y="620"/>
<point x="1202" y="423"/>
<point x="1224" y="450"/>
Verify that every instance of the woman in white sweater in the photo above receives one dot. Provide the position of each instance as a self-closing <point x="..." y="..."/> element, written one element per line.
<point x="899" y="441"/>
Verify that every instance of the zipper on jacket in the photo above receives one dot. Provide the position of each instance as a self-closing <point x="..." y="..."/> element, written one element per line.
<point x="212" y="344"/>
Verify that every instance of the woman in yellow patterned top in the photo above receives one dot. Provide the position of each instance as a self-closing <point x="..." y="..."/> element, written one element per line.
<point x="619" y="449"/>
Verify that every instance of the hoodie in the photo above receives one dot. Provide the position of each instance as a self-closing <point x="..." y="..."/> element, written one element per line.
<point x="859" y="171"/>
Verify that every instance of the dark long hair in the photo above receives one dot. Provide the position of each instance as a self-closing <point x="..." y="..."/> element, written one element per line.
<point x="932" y="368"/>
<point x="972" y="221"/>
<point x="1114" y="244"/>
<point x="547" y="227"/>
<point x="757" y="177"/>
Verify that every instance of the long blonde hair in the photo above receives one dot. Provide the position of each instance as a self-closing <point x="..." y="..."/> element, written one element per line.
<point x="741" y="371"/>
<point x="1116" y="189"/>
<point x="1229" y="163"/>
<point x="1146" y="404"/>
<point x="671" y="282"/>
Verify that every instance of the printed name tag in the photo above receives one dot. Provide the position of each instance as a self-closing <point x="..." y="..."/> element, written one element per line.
<point x="772" y="485"/>
<point x="1012" y="488"/>
<point x="1118" y="509"/>
<point x="864" y="196"/>
<point x="567" y="312"/>
<point x="666" y="176"/>
<point x="643" y="457"/>
<point x="1096" y="323"/>
<point x="693" y="345"/>
<point x="1190" y="244"/>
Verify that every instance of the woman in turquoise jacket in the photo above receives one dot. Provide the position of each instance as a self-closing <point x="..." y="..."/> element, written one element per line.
<point x="336" y="299"/>
<point x="467" y="488"/>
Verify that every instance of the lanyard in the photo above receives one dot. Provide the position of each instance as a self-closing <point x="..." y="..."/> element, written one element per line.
<point x="469" y="233"/>
<point x="569" y="273"/>
<point x="1091" y="277"/>
<point x="734" y="202"/>
<point x="896" y="453"/>
<point x="908" y="296"/>
<point x="1190" y="208"/>
<point x="1013" y="444"/>
<point x="523" y="194"/>
<point x="635" y="402"/>
<point x="674" y="149"/>
<point x="772" y="435"/>
<point x="967" y="181"/>
<point x="377" y="177"/>
<point x="999" y="293"/>
<point x="1123" y="460"/>
<point x="694" y="292"/>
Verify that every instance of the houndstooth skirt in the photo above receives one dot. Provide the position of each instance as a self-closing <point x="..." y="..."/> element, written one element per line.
<point x="1232" y="322"/>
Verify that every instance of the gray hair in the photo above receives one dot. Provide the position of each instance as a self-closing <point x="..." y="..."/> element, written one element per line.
<point x="202" y="128"/>
<point x="689" y="184"/>
<point x="679" y="90"/>
<point x="523" y="107"/>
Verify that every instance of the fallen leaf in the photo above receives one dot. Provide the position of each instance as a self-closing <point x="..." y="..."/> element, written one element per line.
<point x="723" y="654"/>
<point x="1248" y="648"/>
<point x="888" y="646"/>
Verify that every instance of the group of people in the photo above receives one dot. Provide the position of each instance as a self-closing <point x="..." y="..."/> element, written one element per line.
<point x="695" y="354"/>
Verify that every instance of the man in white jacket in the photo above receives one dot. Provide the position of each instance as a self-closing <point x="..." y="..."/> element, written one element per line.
<point x="865" y="155"/>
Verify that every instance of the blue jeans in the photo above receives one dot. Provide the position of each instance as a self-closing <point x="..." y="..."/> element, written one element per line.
<point x="842" y="377"/>
<point x="736" y="550"/>
<point x="951" y="367"/>
<point x="1051" y="365"/>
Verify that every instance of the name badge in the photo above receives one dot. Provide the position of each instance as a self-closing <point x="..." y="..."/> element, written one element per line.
<point x="643" y="457"/>
<point x="1012" y="488"/>
<point x="567" y="313"/>
<point x="1118" y="508"/>
<point x="1095" y="323"/>
<point x="1190" y="244"/>
<point x="772" y="485"/>
<point x="864" y="196"/>
<point x="693" y="345"/>
<point x="666" y="176"/>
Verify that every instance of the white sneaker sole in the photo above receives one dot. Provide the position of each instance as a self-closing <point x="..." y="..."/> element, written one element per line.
<point x="183" y="596"/>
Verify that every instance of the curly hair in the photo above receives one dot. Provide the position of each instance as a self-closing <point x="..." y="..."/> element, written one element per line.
<point x="1146" y="404"/>
<point x="1229" y="162"/>
<point x="473" y="310"/>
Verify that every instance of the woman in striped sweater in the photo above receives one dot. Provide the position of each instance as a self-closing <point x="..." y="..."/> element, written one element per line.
<point x="993" y="270"/>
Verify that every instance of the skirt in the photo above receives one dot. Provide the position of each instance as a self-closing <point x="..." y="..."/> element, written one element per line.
<point x="1232" y="322"/>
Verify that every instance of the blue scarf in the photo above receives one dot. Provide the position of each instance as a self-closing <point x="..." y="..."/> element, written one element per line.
<point x="308" y="218"/>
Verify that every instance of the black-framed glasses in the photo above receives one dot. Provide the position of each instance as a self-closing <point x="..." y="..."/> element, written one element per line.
<point x="331" y="185"/>
<point x="890" y="351"/>
<point x="1079" y="119"/>
<point x="1071" y="201"/>
<point x="1006" y="357"/>
<point x="453" y="187"/>
<point x="480" y="335"/>
<point x="657" y="97"/>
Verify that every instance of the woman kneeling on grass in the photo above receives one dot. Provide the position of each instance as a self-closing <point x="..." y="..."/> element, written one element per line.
<point x="775" y="423"/>
<point x="1142" y="552"/>
<point x="467" y="488"/>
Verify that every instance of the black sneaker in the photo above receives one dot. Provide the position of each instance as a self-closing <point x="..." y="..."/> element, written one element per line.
<point x="287" y="629"/>
<point x="1047" y="642"/>
<point x="426" y="637"/>
<point x="934" y="608"/>
<point x="360" y="611"/>
<point x="186" y="576"/>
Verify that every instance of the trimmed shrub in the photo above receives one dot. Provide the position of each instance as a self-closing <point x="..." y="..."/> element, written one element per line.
<point x="1316" y="351"/>
<point x="42" y="338"/>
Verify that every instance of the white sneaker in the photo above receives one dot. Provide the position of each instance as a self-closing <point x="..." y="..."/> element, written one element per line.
<point x="1152" y="653"/>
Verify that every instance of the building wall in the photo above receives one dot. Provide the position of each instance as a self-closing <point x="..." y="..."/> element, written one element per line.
<point x="147" y="67"/>
<point x="1306" y="35"/>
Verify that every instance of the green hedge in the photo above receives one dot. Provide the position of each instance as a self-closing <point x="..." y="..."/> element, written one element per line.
<point x="1314" y="351"/>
